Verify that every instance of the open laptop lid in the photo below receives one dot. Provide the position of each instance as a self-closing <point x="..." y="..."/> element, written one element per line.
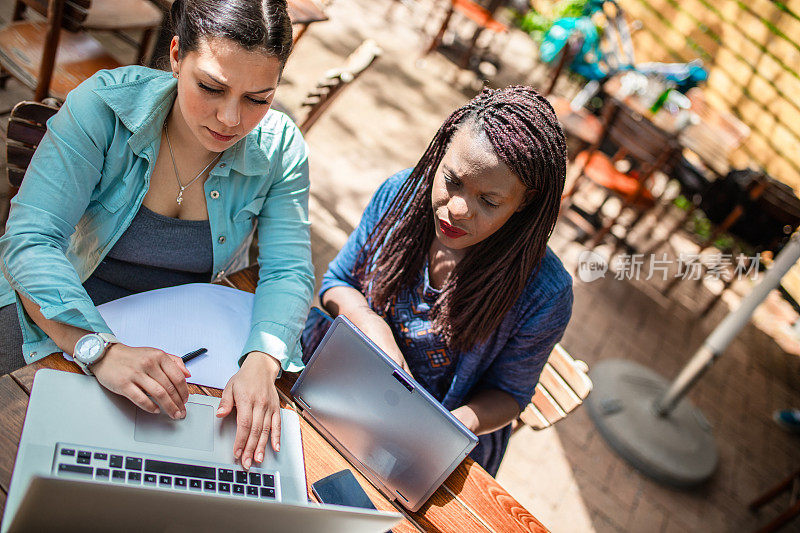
<point x="60" y="504"/>
<point x="381" y="419"/>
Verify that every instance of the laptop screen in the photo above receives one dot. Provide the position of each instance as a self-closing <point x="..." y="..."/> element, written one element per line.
<point x="380" y="416"/>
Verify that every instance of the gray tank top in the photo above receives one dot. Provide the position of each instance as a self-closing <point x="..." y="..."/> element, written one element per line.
<point x="155" y="251"/>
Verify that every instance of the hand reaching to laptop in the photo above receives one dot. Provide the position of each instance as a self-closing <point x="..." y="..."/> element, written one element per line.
<point x="145" y="376"/>
<point x="258" y="415"/>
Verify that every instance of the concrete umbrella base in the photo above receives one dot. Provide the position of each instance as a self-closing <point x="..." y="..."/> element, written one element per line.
<point x="676" y="450"/>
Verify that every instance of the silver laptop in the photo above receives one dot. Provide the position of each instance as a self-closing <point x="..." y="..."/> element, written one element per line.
<point x="97" y="443"/>
<point x="89" y="507"/>
<point x="376" y="415"/>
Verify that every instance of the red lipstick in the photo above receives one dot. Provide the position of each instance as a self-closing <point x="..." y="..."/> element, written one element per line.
<point x="451" y="231"/>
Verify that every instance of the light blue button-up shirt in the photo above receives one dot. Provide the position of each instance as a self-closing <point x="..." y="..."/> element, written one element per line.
<point x="89" y="176"/>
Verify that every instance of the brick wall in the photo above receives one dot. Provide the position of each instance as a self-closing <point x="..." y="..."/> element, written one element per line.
<point x="752" y="51"/>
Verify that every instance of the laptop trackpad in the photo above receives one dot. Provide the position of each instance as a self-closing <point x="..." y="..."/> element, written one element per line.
<point x="196" y="431"/>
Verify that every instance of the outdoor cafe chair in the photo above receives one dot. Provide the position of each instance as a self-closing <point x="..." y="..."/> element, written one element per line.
<point x="755" y="211"/>
<point x="632" y="141"/>
<point x="468" y="55"/>
<point x="563" y="386"/>
<point x="53" y="56"/>
<point x="333" y="83"/>
<point x="790" y="484"/>
<point x="123" y="16"/>
<point x="27" y="125"/>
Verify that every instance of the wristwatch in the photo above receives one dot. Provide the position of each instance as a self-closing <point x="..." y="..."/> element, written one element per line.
<point x="90" y="349"/>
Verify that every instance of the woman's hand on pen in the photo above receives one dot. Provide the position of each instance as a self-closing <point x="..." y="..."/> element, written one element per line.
<point x="138" y="372"/>
<point x="258" y="415"/>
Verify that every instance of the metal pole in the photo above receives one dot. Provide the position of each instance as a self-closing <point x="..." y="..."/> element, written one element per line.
<point x="716" y="343"/>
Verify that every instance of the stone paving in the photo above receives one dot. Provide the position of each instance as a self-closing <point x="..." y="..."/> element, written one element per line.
<point x="566" y="475"/>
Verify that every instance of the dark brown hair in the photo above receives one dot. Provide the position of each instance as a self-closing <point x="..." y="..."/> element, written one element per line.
<point x="524" y="132"/>
<point x="253" y="24"/>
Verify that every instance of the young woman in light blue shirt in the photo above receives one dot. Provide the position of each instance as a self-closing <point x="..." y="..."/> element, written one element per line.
<point x="190" y="162"/>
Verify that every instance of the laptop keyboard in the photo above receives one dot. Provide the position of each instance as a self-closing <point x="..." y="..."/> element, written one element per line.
<point x="167" y="473"/>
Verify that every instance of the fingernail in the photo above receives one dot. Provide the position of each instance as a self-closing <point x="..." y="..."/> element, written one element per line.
<point x="260" y="457"/>
<point x="176" y="415"/>
<point x="157" y="411"/>
<point x="183" y="414"/>
<point x="220" y="410"/>
<point x="237" y="453"/>
<point x="246" y="464"/>
<point x="278" y="448"/>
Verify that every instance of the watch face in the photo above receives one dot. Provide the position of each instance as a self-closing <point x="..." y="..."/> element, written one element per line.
<point x="89" y="348"/>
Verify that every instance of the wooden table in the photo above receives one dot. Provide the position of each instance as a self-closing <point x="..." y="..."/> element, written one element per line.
<point x="712" y="139"/>
<point x="470" y="500"/>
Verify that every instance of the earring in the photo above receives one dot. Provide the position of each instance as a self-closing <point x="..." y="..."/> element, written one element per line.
<point x="175" y="75"/>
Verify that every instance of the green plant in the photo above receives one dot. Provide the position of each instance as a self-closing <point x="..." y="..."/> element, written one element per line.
<point x="702" y="227"/>
<point x="537" y="23"/>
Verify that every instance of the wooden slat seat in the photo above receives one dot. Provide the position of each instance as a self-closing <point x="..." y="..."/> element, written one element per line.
<point x="116" y="15"/>
<point x="334" y="81"/>
<point x="130" y="15"/>
<point x="22" y="45"/>
<point x="563" y="386"/>
<point x="26" y="127"/>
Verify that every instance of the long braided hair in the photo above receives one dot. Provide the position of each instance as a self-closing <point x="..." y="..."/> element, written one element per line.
<point x="524" y="132"/>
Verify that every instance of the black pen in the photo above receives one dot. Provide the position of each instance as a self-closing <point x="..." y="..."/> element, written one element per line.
<point x="191" y="355"/>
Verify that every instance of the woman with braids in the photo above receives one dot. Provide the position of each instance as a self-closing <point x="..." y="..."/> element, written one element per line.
<point x="449" y="270"/>
<point x="148" y="179"/>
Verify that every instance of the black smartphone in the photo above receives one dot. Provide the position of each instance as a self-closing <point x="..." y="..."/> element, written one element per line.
<point x="341" y="488"/>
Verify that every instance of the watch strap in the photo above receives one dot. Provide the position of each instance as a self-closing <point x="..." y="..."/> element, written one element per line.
<point x="82" y="366"/>
<point x="108" y="337"/>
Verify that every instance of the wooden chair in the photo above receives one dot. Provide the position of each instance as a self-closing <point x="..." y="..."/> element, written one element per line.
<point x="51" y="57"/>
<point x="580" y="126"/>
<point x="334" y="82"/>
<point x="759" y="218"/>
<point x="26" y="127"/>
<point x="633" y="138"/>
<point x="123" y="16"/>
<point x="562" y="387"/>
<point x="464" y="54"/>
<point x="792" y="485"/>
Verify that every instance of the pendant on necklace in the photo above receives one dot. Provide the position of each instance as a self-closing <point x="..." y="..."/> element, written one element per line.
<point x="180" y="197"/>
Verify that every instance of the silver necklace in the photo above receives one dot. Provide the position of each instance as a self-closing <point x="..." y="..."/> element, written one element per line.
<point x="182" y="187"/>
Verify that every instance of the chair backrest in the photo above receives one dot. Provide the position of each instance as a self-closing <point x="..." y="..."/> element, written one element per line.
<point x="637" y="137"/>
<point x="329" y="88"/>
<point x="563" y="385"/>
<point x="74" y="12"/>
<point x="722" y="127"/>
<point x="26" y="127"/>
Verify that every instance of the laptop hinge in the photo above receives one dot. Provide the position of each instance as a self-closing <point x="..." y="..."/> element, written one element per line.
<point x="299" y="401"/>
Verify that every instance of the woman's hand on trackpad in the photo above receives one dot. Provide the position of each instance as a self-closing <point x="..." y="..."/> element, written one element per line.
<point x="258" y="415"/>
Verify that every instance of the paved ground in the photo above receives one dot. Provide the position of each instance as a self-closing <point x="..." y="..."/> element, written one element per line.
<point x="567" y="476"/>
